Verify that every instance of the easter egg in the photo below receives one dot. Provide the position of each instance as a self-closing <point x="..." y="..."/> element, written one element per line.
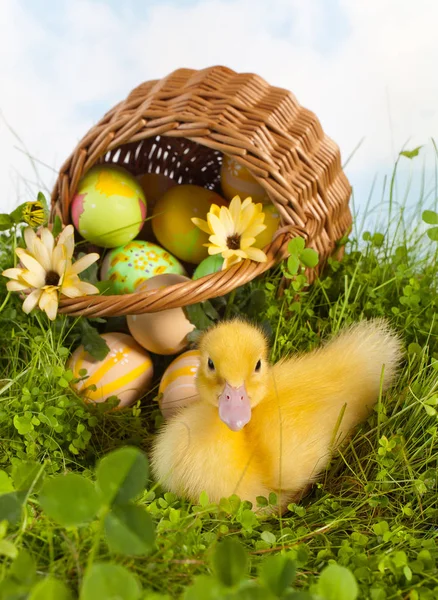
<point x="209" y="265"/>
<point x="172" y="223"/>
<point x="272" y="222"/>
<point x="125" y="372"/>
<point x="130" y="265"/>
<point x="236" y="180"/>
<point x="154" y="186"/>
<point x="109" y="207"/>
<point x="163" y="332"/>
<point x="178" y="387"/>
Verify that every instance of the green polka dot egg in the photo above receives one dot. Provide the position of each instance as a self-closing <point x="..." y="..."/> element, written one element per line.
<point x="109" y="208"/>
<point x="130" y="265"/>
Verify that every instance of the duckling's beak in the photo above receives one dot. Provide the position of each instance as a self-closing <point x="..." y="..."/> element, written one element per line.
<point x="234" y="407"/>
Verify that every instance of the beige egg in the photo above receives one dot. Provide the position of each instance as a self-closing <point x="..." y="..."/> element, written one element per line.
<point x="125" y="372"/>
<point x="178" y="384"/>
<point x="163" y="332"/>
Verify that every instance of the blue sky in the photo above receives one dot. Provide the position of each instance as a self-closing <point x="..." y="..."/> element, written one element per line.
<point x="363" y="67"/>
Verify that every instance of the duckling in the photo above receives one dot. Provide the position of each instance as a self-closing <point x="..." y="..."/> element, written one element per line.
<point x="259" y="428"/>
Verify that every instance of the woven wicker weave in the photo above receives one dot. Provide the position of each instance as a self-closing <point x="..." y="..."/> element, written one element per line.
<point x="181" y="126"/>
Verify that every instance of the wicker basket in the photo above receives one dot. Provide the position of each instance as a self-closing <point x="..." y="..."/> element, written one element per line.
<point x="181" y="126"/>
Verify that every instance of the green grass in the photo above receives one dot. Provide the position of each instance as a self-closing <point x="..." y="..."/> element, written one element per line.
<point x="375" y="510"/>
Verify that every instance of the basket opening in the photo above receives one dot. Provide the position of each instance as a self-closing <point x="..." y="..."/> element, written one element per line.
<point x="181" y="159"/>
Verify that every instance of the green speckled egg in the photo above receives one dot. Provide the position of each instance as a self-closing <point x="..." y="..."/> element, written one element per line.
<point x="130" y="265"/>
<point x="109" y="208"/>
<point x="209" y="265"/>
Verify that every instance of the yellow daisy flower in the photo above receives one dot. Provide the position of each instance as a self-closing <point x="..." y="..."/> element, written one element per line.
<point x="233" y="230"/>
<point x="47" y="270"/>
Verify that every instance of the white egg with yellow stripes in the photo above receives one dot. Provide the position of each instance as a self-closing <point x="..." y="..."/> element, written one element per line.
<point x="125" y="372"/>
<point x="178" y="386"/>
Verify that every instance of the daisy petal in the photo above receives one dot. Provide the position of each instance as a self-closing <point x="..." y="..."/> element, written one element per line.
<point x="214" y="250"/>
<point x="254" y="230"/>
<point x="256" y="254"/>
<point x="217" y="241"/>
<point x="203" y="225"/>
<point x="82" y="288"/>
<point x="227" y="221"/>
<point x="30" y="263"/>
<point x="42" y="254"/>
<point x="16" y="286"/>
<point x="235" y="208"/>
<point x="47" y="239"/>
<point x="229" y="262"/>
<point x="216" y="225"/>
<point x="13" y="273"/>
<point x="31" y="301"/>
<point x="34" y="280"/>
<point x="246" y="242"/>
<point x="84" y="262"/>
<point x="49" y="303"/>
<point x="29" y="237"/>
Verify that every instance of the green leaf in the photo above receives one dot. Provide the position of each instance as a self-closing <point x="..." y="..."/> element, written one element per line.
<point x="337" y="583"/>
<point x="411" y="153"/>
<point x="5" y="222"/>
<point x="309" y="257"/>
<point x="430" y="217"/>
<point x="293" y="264"/>
<point x="5" y="483"/>
<point x="93" y="343"/>
<point x="16" y="215"/>
<point x="277" y="573"/>
<point x="433" y="234"/>
<point x="23" y="424"/>
<point x="296" y="246"/>
<point x="10" y="507"/>
<point x="129" y="530"/>
<point x="57" y="226"/>
<point x="122" y="475"/>
<point x="8" y="549"/>
<point x="197" y="315"/>
<point x="204" y="587"/>
<point x="229" y="562"/>
<point x="50" y="589"/>
<point x="26" y="474"/>
<point x="378" y="239"/>
<point x="23" y="568"/>
<point x="69" y="499"/>
<point x="108" y="581"/>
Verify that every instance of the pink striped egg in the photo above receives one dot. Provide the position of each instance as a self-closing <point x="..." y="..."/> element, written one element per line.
<point x="125" y="372"/>
<point x="178" y="384"/>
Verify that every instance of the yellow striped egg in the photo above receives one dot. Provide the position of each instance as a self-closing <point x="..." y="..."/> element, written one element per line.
<point x="178" y="388"/>
<point x="125" y="372"/>
<point x="236" y="180"/>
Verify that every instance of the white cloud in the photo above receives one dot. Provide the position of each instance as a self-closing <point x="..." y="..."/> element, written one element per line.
<point x="57" y="80"/>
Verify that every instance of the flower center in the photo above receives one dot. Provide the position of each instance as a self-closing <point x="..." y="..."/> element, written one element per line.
<point x="233" y="242"/>
<point x="52" y="278"/>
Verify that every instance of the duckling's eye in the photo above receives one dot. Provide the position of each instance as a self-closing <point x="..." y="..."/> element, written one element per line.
<point x="258" y="366"/>
<point x="210" y="364"/>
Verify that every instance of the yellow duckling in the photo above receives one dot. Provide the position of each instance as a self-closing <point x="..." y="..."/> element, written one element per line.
<point x="261" y="428"/>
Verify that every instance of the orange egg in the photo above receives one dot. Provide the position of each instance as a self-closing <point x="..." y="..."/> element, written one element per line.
<point x="125" y="372"/>
<point x="163" y="332"/>
<point x="178" y="384"/>
<point x="236" y="180"/>
<point x="154" y="186"/>
<point x="172" y="223"/>
<point x="272" y="222"/>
